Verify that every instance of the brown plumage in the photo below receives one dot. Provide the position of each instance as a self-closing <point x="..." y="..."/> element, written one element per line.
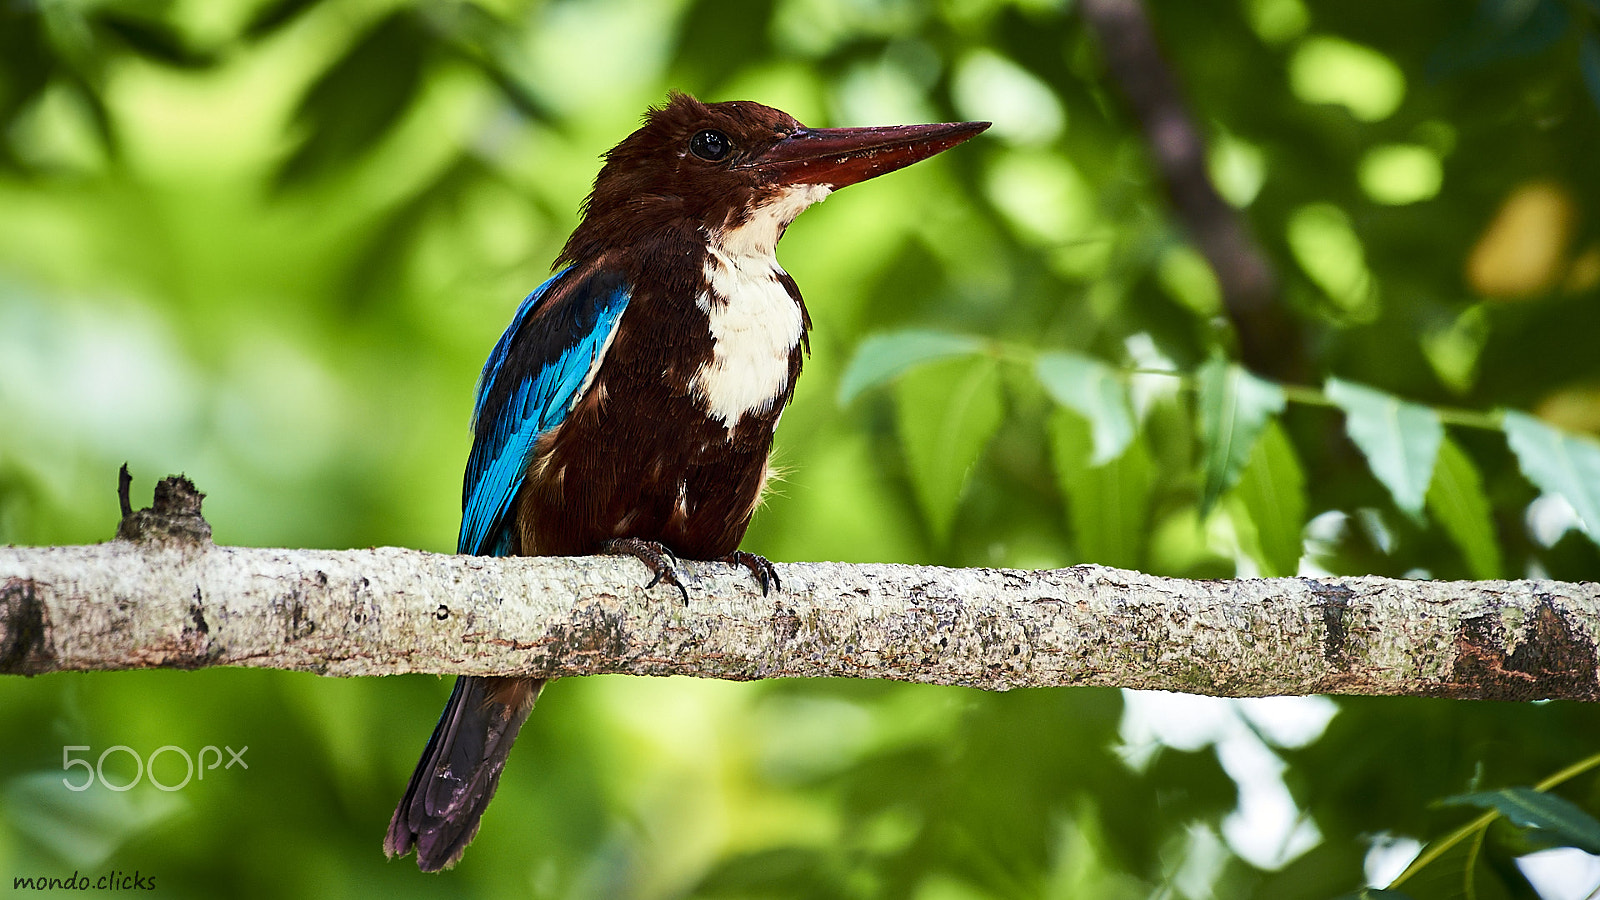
<point x="687" y="338"/>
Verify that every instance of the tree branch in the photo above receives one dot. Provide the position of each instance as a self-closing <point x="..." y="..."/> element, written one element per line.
<point x="162" y="595"/>
<point x="189" y="604"/>
<point x="1269" y="340"/>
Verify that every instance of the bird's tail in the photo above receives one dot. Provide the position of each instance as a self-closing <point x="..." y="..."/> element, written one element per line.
<point x="460" y="769"/>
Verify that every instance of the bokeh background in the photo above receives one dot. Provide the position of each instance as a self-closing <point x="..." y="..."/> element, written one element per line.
<point x="269" y="245"/>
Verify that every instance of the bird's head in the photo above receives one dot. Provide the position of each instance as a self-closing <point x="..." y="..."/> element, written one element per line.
<point x="737" y="171"/>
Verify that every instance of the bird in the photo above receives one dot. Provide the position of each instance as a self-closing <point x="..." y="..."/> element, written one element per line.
<point x="630" y="406"/>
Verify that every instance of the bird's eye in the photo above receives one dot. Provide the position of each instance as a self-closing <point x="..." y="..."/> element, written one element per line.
<point x="710" y="144"/>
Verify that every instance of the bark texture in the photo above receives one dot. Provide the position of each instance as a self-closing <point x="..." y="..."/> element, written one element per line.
<point x="178" y="601"/>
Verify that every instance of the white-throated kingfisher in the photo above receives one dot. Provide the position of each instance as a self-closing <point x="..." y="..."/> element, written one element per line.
<point x="630" y="406"/>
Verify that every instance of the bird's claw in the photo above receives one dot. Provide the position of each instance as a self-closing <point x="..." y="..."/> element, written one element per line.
<point x="667" y="574"/>
<point x="664" y="564"/>
<point x="654" y="554"/>
<point x="759" y="566"/>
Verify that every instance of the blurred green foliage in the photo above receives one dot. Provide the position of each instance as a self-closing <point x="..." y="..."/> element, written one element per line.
<point x="269" y="244"/>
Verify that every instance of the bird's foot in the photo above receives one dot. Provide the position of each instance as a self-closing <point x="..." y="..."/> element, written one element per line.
<point x="759" y="566"/>
<point x="661" y="560"/>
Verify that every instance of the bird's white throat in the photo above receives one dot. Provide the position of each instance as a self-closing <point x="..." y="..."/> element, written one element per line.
<point x="755" y="324"/>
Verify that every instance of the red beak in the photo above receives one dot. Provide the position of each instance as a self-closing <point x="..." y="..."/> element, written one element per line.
<point x="844" y="156"/>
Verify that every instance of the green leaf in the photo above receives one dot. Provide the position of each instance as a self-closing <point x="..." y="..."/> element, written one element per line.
<point x="1525" y="807"/>
<point x="947" y="414"/>
<point x="1400" y="439"/>
<point x="1092" y="390"/>
<point x="1457" y="502"/>
<point x="1459" y="870"/>
<point x="1558" y="463"/>
<point x="883" y="357"/>
<point x="84" y="828"/>
<point x="1273" y="490"/>
<point x="155" y="40"/>
<point x="273" y="16"/>
<point x="1234" y="406"/>
<point x="1589" y="63"/>
<point x="1108" y="504"/>
<point x="1374" y="894"/>
<point x="710" y="28"/>
<point x="359" y="99"/>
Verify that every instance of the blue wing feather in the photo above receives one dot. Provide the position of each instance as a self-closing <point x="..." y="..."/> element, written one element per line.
<point x="532" y="379"/>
